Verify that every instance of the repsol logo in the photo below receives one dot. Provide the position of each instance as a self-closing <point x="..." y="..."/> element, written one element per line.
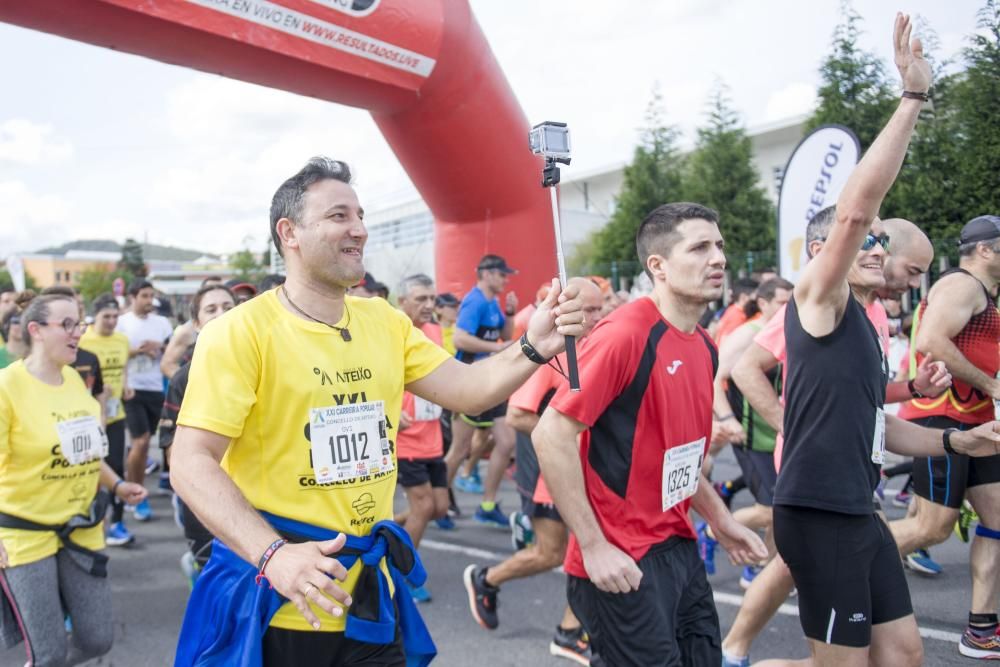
<point x="363" y="521"/>
<point x="354" y="374"/>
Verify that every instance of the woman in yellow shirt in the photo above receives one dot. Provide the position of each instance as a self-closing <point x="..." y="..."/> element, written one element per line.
<point x="51" y="532"/>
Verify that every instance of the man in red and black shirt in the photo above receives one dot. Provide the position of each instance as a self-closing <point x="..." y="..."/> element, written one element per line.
<point x="644" y="420"/>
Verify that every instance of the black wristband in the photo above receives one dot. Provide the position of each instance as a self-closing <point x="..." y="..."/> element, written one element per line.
<point x="114" y="487"/>
<point x="913" y="390"/>
<point x="510" y="313"/>
<point x="529" y="350"/>
<point x="912" y="95"/>
<point x="946" y="440"/>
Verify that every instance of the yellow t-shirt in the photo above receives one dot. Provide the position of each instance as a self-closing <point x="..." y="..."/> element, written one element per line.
<point x="36" y="482"/>
<point x="258" y="371"/>
<point x="448" y="339"/>
<point x="112" y="352"/>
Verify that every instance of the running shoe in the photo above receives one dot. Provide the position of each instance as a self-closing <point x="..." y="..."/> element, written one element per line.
<point x="571" y="644"/>
<point x="151" y="465"/>
<point x="419" y="593"/>
<point x="921" y="561"/>
<point x="706" y="547"/>
<point x="493" y="517"/>
<point x="163" y="486"/>
<point x="880" y="489"/>
<point x="966" y="517"/>
<point x="725" y="491"/>
<point x="482" y="597"/>
<point x="739" y="662"/>
<point x="469" y="484"/>
<point x="445" y="523"/>
<point x="982" y="648"/>
<point x="902" y="500"/>
<point x="521" y="533"/>
<point x="189" y="566"/>
<point x="142" y="511"/>
<point x="118" y="535"/>
<point x="750" y="572"/>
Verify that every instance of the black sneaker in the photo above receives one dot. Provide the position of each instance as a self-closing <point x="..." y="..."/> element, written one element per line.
<point x="571" y="644"/>
<point x="482" y="597"/>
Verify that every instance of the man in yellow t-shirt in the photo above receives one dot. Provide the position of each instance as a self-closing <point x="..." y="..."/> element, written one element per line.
<point x="112" y="350"/>
<point x="292" y="410"/>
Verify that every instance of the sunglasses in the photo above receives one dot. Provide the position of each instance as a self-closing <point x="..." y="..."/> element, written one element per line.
<point x="871" y="240"/>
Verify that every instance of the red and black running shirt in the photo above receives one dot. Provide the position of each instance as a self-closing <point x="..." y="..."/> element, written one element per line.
<point x="646" y="387"/>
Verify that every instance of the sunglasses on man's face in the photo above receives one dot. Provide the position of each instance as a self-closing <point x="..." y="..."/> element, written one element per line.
<point x="871" y="240"/>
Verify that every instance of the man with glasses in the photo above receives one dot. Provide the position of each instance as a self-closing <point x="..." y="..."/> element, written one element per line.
<point x="148" y="334"/>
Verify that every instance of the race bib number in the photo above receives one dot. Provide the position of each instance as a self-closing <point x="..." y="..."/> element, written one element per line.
<point x="82" y="440"/>
<point x="681" y="471"/>
<point x="878" y="441"/>
<point x="425" y="411"/>
<point x="142" y="364"/>
<point x="349" y="442"/>
<point x="113" y="407"/>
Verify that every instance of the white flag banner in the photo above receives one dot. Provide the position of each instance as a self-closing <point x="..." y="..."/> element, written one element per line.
<point x="813" y="178"/>
<point x="15" y="267"/>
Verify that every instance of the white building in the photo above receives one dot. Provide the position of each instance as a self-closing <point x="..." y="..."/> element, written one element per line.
<point x="401" y="236"/>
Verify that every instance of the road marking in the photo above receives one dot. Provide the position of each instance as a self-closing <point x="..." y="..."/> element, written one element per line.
<point x="720" y="596"/>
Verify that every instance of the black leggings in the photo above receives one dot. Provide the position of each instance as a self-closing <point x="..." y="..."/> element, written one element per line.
<point x="116" y="459"/>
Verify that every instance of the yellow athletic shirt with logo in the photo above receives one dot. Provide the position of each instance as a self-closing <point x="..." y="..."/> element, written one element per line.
<point x="257" y="372"/>
<point x="36" y="482"/>
<point x="112" y="352"/>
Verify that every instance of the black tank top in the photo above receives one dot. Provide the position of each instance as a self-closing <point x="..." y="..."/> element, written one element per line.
<point x="835" y="388"/>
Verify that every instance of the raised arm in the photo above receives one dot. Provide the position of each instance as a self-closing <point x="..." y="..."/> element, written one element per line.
<point x="823" y="285"/>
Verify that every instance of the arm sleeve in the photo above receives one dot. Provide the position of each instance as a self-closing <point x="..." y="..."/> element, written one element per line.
<point x="607" y="362"/>
<point x="470" y="314"/>
<point x="222" y="382"/>
<point x="98" y="378"/>
<point x="420" y="354"/>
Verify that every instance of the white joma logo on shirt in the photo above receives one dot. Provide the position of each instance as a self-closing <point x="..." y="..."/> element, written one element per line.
<point x="672" y="368"/>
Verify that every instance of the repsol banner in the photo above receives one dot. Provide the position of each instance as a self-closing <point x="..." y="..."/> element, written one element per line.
<point x="814" y="176"/>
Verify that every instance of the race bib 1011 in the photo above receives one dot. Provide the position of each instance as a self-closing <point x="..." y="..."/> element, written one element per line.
<point x="82" y="440"/>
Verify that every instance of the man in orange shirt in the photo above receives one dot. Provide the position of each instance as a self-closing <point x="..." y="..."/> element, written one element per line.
<point x="735" y="315"/>
<point x="419" y="445"/>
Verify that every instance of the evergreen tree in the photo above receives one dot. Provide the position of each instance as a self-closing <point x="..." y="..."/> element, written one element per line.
<point x="854" y="90"/>
<point x="653" y="178"/>
<point x="132" y="260"/>
<point x="720" y="174"/>
<point x="978" y="118"/>
<point x="246" y="267"/>
<point x="99" y="279"/>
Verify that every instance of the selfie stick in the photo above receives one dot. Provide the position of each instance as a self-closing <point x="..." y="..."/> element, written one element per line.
<point x="550" y="178"/>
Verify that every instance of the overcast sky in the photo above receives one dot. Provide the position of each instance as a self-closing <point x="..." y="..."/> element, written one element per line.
<point x="99" y="144"/>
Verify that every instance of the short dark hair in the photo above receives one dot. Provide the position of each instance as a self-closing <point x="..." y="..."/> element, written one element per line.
<point x="270" y="281"/>
<point x="105" y="301"/>
<point x="967" y="249"/>
<point x="658" y="231"/>
<point x="287" y="200"/>
<point x="744" y="286"/>
<point x="766" y="290"/>
<point x="819" y="227"/>
<point x="138" y="285"/>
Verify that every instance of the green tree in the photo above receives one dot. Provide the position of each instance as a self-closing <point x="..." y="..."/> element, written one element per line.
<point x="7" y="283"/>
<point x="100" y="279"/>
<point x="246" y="266"/>
<point x="854" y="90"/>
<point x="132" y="260"/>
<point x="977" y="93"/>
<point x="653" y="178"/>
<point x="720" y="173"/>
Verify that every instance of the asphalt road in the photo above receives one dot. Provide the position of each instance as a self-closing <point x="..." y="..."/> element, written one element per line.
<point x="150" y="593"/>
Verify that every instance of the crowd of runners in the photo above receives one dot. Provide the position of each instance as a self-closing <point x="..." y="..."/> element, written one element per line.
<point x="288" y="413"/>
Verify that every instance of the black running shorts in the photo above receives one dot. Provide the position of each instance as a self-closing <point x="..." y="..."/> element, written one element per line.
<point x="294" y="648"/>
<point x="414" y="472"/>
<point x="671" y="620"/>
<point x="944" y="479"/>
<point x="486" y="419"/>
<point x="847" y="570"/>
<point x="759" y="473"/>
<point x="526" y="476"/>
<point x="142" y="412"/>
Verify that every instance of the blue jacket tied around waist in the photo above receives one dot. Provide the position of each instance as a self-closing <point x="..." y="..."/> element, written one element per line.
<point x="228" y="612"/>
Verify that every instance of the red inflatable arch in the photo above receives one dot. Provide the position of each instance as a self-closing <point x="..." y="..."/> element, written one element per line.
<point x="423" y="69"/>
